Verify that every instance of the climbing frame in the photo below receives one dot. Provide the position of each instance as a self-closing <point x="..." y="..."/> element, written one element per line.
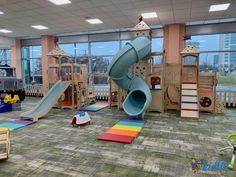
<point x="189" y="82"/>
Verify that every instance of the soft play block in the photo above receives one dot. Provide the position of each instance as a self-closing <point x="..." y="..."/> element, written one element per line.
<point x="5" y="108"/>
<point x="23" y="122"/>
<point x="123" y="132"/>
<point x="136" y="124"/>
<point x="116" y="138"/>
<point x="124" y="127"/>
<point x="11" y="125"/>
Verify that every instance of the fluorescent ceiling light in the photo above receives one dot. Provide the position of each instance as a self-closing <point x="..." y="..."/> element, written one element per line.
<point x="149" y="15"/>
<point x="94" y="21"/>
<point x="60" y="2"/>
<point x="5" y="31"/>
<point x="219" y="7"/>
<point x="1" y="12"/>
<point x="39" y="27"/>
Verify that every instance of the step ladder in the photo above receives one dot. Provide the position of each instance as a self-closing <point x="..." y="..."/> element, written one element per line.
<point x="189" y="100"/>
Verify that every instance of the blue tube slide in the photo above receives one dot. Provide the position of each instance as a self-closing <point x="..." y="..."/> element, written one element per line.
<point x="139" y="95"/>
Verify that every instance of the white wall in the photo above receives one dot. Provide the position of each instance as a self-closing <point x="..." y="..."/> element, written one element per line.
<point x="6" y="42"/>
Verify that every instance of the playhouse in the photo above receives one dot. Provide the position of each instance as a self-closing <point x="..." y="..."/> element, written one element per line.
<point x="180" y="87"/>
<point x="69" y="84"/>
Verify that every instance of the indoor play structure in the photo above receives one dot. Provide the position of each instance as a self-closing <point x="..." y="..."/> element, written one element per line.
<point x="231" y="139"/>
<point x="139" y="96"/>
<point x="178" y="87"/>
<point x="4" y="143"/>
<point x="69" y="83"/>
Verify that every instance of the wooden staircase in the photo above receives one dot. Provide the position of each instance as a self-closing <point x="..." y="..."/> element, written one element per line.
<point x="189" y="100"/>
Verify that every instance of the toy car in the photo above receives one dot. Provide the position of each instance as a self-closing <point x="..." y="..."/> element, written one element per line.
<point x="9" y="100"/>
<point x="81" y="118"/>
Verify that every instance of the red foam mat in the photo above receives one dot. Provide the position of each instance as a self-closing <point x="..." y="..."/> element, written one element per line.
<point x="116" y="138"/>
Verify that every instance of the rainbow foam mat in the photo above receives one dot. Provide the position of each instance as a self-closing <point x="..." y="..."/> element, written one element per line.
<point x="123" y="131"/>
<point x="15" y="124"/>
<point x="94" y="107"/>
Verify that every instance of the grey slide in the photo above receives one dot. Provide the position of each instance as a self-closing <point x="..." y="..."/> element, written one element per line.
<point x="47" y="102"/>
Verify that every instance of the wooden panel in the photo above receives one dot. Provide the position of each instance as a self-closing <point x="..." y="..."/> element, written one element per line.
<point x="189" y="92"/>
<point x="189" y="99"/>
<point x="189" y="106"/>
<point x="189" y="86"/>
<point x="191" y="114"/>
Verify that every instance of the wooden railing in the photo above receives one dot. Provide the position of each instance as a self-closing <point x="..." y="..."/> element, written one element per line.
<point x="34" y="90"/>
<point x="101" y="92"/>
<point x="228" y="98"/>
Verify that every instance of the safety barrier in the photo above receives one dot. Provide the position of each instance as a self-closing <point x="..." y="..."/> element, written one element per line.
<point x="101" y="92"/>
<point x="34" y="90"/>
<point x="228" y="98"/>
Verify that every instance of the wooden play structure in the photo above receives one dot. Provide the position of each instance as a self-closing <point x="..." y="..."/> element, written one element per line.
<point x="79" y="93"/>
<point x="178" y="87"/>
<point x="4" y="143"/>
<point x="189" y="82"/>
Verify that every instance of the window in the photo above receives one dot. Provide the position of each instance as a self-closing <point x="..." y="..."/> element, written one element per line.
<point x="218" y="54"/>
<point x="101" y="55"/>
<point x="5" y="56"/>
<point x="32" y="64"/>
<point x="81" y="49"/>
<point x="157" y="44"/>
<point x="104" y="48"/>
<point x="68" y="48"/>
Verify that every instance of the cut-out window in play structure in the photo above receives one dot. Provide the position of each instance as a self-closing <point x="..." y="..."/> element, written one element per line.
<point x="156" y="82"/>
<point x="114" y="96"/>
<point x="205" y="102"/>
<point x="173" y="94"/>
<point x="190" y="59"/>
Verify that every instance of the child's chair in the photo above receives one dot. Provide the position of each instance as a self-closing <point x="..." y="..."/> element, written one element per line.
<point x="4" y="143"/>
<point x="232" y="146"/>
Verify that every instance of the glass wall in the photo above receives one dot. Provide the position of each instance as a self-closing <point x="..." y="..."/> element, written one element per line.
<point x="5" y="56"/>
<point x="99" y="54"/>
<point x="96" y="54"/>
<point x="32" y="64"/>
<point x="218" y="54"/>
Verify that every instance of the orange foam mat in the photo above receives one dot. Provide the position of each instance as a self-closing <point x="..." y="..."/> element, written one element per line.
<point x="123" y="132"/>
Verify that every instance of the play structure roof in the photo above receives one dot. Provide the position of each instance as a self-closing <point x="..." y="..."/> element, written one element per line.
<point x="190" y="49"/>
<point x="57" y="52"/>
<point x="141" y="26"/>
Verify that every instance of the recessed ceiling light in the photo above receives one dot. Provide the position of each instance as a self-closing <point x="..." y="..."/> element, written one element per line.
<point x="219" y="7"/>
<point x="40" y="27"/>
<point x="94" y="21"/>
<point x="5" y="31"/>
<point x="1" y="12"/>
<point x="60" y="2"/>
<point x="149" y="15"/>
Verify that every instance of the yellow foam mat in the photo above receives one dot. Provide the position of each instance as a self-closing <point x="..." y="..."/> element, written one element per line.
<point x="125" y="127"/>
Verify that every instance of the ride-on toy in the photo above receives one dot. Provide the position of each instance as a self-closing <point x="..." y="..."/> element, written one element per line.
<point x="81" y="118"/>
<point x="9" y="100"/>
<point x="232" y="146"/>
